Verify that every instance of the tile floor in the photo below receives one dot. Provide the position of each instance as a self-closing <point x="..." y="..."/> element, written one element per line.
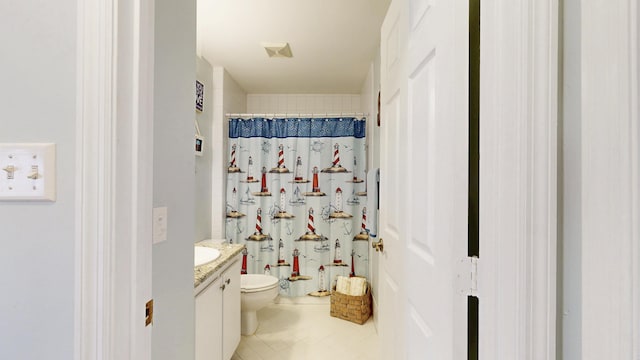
<point x="289" y="331"/>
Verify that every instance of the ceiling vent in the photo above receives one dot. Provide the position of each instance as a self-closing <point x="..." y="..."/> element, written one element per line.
<point x="281" y="50"/>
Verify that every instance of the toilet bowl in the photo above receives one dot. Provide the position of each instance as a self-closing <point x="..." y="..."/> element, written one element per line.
<point x="256" y="292"/>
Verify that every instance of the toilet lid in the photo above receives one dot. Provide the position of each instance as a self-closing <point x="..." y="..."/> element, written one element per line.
<point x="257" y="282"/>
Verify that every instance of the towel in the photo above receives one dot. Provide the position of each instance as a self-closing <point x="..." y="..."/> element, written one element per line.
<point x="357" y="286"/>
<point x="343" y="285"/>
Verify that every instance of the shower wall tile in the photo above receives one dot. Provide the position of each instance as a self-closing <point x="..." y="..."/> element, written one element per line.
<point x="303" y="103"/>
<point x="272" y="101"/>
<point x="355" y="102"/>
<point x="318" y="102"/>
<point x="250" y="101"/>
<point x="282" y="102"/>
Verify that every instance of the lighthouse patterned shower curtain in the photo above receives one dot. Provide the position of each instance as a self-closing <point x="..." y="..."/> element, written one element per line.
<point x="296" y="197"/>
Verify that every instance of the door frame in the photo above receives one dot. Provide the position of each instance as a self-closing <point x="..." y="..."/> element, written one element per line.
<point x="115" y="83"/>
<point x="518" y="179"/>
<point x="114" y="178"/>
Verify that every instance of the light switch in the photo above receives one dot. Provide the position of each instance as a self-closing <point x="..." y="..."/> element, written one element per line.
<point x="159" y="224"/>
<point x="29" y="171"/>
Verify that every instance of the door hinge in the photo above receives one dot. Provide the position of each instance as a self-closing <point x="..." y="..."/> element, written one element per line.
<point x="148" y="313"/>
<point x="468" y="276"/>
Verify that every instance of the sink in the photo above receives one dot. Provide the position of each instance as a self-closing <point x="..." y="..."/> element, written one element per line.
<point x="204" y="255"/>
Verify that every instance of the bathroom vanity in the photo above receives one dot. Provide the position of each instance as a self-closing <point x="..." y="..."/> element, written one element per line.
<point x="217" y="303"/>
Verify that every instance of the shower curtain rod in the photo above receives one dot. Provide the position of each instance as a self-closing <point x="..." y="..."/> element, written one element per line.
<point x="298" y="115"/>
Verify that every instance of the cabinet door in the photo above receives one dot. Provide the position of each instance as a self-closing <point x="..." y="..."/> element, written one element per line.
<point x="208" y="319"/>
<point x="231" y="310"/>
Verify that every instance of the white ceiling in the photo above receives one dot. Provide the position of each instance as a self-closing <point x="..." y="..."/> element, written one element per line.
<point x="333" y="42"/>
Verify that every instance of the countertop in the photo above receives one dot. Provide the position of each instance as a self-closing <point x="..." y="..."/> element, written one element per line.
<point x="227" y="253"/>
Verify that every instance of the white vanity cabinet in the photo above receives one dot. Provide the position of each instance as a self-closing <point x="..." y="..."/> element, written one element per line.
<point x="231" y="310"/>
<point x="217" y="309"/>
<point x="208" y="324"/>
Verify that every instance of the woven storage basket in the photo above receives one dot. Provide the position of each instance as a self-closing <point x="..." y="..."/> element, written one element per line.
<point x="356" y="309"/>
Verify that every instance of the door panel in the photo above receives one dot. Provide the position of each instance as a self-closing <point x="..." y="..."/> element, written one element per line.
<point x="423" y="194"/>
<point x="420" y="337"/>
<point x="418" y="9"/>
<point x="422" y="109"/>
<point x="391" y="220"/>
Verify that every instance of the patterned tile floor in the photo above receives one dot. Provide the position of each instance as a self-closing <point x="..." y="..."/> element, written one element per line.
<point x="306" y="332"/>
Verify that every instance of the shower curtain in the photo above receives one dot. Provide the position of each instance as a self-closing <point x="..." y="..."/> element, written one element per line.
<point x="296" y="197"/>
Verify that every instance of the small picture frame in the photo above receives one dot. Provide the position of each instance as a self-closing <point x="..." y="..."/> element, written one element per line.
<point x="199" y="96"/>
<point x="199" y="145"/>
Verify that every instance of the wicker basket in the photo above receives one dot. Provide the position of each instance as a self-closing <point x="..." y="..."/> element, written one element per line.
<point x="356" y="309"/>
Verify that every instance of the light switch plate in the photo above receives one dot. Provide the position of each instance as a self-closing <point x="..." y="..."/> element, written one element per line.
<point x="27" y="171"/>
<point x="159" y="224"/>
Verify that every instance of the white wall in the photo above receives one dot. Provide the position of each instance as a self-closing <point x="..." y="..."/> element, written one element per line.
<point x="303" y="103"/>
<point x="609" y="149"/>
<point x="235" y="98"/>
<point x="174" y="180"/>
<point x="601" y="202"/>
<point x="203" y="172"/>
<point x="369" y="103"/>
<point x="38" y="104"/>
<point x="229" y="97"/>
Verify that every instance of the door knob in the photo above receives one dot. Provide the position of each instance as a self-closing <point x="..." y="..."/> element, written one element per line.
<point x="378" y="245"/>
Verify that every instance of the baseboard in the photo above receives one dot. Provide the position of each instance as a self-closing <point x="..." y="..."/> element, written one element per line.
<point x="302" y="300"/>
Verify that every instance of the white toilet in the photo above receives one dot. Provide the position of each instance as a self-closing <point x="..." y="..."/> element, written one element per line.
<point x="256" y="292"/>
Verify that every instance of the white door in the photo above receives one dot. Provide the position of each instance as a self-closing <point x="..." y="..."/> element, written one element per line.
<point x="423" y="179"/>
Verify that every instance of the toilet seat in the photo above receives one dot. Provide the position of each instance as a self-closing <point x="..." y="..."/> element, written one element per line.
<point x="257" y="282"/>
